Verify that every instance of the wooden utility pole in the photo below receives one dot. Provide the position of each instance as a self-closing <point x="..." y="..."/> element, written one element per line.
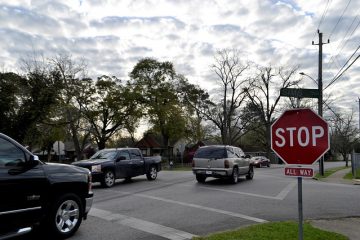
<point x="320" y="87"/>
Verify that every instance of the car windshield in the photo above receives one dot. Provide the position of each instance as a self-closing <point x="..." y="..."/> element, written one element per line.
<point x="104" y="154"/>
<point x="210" y="152"/>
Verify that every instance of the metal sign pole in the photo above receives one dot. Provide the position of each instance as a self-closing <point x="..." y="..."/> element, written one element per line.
<point x="300" y="208"/>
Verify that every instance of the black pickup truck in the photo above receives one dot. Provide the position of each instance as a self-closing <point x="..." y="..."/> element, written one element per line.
<point x="53" y="197"/>
<point x="109" y="164"/>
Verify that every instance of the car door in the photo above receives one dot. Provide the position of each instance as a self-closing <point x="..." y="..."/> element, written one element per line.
<point x="137" y="162"/>
<point x="22" y="186"/>
<point x="123" y="164"/>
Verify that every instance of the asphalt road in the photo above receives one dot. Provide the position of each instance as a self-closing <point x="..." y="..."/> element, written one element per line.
<point x="176" y="207"/>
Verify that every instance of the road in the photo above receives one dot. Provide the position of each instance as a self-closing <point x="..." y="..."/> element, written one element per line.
<point x="176" y="207"/>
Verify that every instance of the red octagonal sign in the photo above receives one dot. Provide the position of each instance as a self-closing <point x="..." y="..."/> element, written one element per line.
<point x="300" y="136"/>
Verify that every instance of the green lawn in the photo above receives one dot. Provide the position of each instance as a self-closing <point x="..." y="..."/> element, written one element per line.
<point x="328" y="172"/>
<point x="274" y="231"/>
<point x="350" y="176"/>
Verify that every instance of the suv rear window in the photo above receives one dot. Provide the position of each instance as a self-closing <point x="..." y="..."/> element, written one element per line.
<point x="211" y="152"/>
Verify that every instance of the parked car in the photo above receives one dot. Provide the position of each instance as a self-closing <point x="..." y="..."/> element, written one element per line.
<point x="57" y="197"/>
<point x="221" y="161"/>
<point x="259" y="161"/>
<point x="107" y="165"/>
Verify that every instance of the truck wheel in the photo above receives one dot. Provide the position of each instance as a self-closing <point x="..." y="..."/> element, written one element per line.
<point x="250" y="174"/>
<point x="109" y="179"/>
<point x="152" y="173"/>
<point x="200" y="178"/>
<point x="65" y="216"/>
<point x="235" y="176"/>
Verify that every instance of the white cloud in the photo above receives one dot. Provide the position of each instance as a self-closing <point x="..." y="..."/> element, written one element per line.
<point x="113" y="35"/>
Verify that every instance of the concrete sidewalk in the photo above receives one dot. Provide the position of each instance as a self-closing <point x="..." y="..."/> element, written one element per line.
<point x="346" y="226"/>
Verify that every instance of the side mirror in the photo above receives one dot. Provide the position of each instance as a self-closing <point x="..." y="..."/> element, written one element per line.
<point x="247" y="156"/>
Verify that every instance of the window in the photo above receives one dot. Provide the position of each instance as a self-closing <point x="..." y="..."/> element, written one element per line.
<point x="104" y="154"/>
<point x="124" y="154"/>
<point x="10" y="155"/>
<point x="231" y="153"/>
<point x="211" y="152"/>
<point x="135" y="154"/>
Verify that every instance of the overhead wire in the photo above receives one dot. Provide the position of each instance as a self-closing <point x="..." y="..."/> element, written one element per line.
<point x="340" y="18"/>
<point x="323" y="16"/>
<point x="339" y="75"/>
<point x="342" y="43"/>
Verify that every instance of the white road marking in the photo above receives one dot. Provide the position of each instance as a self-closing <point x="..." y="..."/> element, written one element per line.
<point x="145" y="226"/>
<point x="238" y="215"/>
<point x="280" y="196"/>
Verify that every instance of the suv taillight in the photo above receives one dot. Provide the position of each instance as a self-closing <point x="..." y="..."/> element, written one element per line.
<point x="226" y="164"/>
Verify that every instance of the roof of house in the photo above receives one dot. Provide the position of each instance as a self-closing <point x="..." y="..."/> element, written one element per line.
<point x="148" y="142"/>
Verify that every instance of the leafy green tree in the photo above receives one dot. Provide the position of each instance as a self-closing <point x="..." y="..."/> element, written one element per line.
<point x="155" y="81"/>
<point x="27" y="100"/>
<point x="109" y="107"/>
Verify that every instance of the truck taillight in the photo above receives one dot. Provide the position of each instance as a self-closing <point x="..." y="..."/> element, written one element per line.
<point x="226" y="164"/>
<point x="193" y="163"/>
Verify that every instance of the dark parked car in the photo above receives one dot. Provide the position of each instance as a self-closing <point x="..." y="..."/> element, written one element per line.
<point x="109" y="164"/>
<point x="55" y="197"/>
<point x="260" y="161"/>
<point x="221" y="161"/>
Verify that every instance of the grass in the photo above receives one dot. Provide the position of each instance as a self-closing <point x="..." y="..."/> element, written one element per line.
<point x="328" y="172"/>
<point x="274" y="231"/>
<point x="349" y="175"/>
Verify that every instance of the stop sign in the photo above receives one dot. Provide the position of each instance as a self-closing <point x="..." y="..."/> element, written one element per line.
<point x="300" y="136"/>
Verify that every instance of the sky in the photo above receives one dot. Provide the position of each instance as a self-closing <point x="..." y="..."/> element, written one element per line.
<point x="113" y="35"/>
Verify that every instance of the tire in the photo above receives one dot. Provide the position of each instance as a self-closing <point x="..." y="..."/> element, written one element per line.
<point x="250" y="174"/>
<point x="234" y="176"/>
<point x="151" y="175"/>
<point x="65" y="216"/>
<point x="108" y="179"/>
<point x="200" y="178"/>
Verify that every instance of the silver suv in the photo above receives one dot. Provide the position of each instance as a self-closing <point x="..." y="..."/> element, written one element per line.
<point x="221" y="161"/>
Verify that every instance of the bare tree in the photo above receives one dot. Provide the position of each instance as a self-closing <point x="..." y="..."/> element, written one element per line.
<point x="225" y="114"/>
<point x="264" y="96"/>
<point x="72" y="75"/>
<point x="344" y="134"/>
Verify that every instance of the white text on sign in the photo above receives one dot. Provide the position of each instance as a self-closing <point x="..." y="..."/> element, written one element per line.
<point x="299" y="172"/>
<point x="301" y="136"/>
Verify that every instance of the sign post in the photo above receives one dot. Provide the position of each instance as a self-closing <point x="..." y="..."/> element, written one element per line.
<point x="300" y="137"/>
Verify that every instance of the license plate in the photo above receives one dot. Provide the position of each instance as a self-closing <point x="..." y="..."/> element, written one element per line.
<point x="208" y="172"/>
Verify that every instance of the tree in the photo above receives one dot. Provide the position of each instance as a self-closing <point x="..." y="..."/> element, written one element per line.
<point x="344" y="134"/>
<point x="225" y="113"/>
<point x="27" y="100"/>
<point x="195" y="101"/>
<point x="74" y="81"/>
<point x="109" y="107"/>
<point x="154" y="81"/>
<point x="264" y="95"/>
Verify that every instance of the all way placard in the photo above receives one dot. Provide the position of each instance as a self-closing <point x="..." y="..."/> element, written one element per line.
<point x="299" y="172"/>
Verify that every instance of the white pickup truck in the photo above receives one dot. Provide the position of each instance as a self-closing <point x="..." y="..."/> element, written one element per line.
<point x="221" y="161"/>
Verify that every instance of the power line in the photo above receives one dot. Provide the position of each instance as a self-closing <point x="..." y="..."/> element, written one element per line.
<point x="342" y="43"/>
<point x="322" y="16"/>
<point x="346" y="62"/>
<point x="336" y="78"/>
<point x="340" y="18"/>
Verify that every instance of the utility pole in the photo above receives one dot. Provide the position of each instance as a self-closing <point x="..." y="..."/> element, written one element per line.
<point x="320" y="87"/>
